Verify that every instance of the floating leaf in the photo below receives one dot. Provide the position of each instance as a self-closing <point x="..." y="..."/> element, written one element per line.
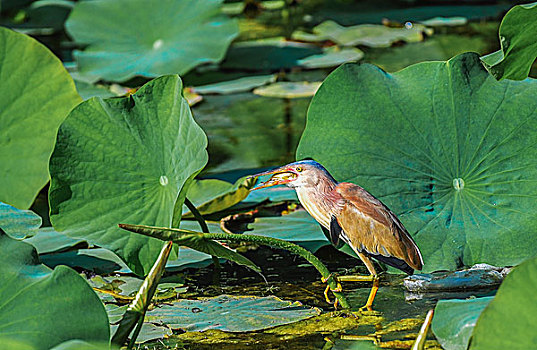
<point x="212" y="195"/>
<point x="274" y="194"/>
<point x="267" y="54"/>
<point x="236" y="85"/>
<point x="446" y="146"/>
<point x="171" y="37"/>
<point x="125" y="160"/>
<point x="518" y="46"/>
<point x="230" y="313"/>
<point x="286" y="89"/>
<point x="297" y="227"/>
<point x="36" y="95"/>
<point x="445" y="21"/>
<point x="194" y="240"/>
<point x="372" y="35"/>
<point x="88" y="90"/>
<point x="454" y="321"/>
<point x="332" y="56"/>
<point x="98" y="260"/>
<point x="42" y="307"/>
<point x="507" y="322"/>
<point x="48" y="240"/>
<point x="17" y="223"/>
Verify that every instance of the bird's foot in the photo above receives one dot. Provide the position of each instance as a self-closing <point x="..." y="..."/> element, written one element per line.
<point x="367" y="310"/>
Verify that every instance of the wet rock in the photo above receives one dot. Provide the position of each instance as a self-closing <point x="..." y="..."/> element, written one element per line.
<point x="478" y="277"/>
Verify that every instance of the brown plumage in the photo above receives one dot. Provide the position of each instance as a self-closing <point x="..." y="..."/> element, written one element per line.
<point x="349" y="213"/>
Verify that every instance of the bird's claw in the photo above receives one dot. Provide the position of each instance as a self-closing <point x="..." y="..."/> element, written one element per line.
<point x="367" y="310"/>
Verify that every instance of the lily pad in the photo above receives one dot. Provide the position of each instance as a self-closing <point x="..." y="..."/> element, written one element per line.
<point x="48" y="240"/>
<point x="445" y="21"/>
<point x="212" y="195"/>
<point x="507" y="322"/>
<point x="372" y="35"/>
<point x="236" y="85"/>
<point x="332" y="56"/>
<point x="267" y="54"/>
<point x="446" y="146"/>
<point x="297" y="227"/>
<point x="274" y="194"/>
<point x="230" y="313"/>
<point x="36" y="95"/>
<point x="125" y="160"/>
<point x="17" y="223"/>
<point x="287" y="89"/>
<point x="171" y="37"/>
<point x="518" y="46"/>
<point x="98" y="260"/>
<point x="454" y="321"/>
<point x="42" y="307"/>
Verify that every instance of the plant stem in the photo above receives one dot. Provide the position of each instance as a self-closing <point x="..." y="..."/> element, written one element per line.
<point x="197" y="215"/>
<point x="293" y="248"/>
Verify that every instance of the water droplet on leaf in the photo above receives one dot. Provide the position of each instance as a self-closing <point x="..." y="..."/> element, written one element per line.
<point x="163" y="180"/>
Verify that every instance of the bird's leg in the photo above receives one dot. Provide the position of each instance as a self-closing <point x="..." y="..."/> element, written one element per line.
<point x="368" y="305"/>
<point x="337" y="289"/>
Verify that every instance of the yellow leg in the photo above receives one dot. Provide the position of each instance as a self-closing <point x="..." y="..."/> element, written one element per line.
<point x="372" y="294"/>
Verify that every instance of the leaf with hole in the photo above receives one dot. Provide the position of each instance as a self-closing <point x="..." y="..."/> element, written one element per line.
<point x="447" y="147"/>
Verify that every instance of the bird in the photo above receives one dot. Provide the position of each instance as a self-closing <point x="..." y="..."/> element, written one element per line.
<point x="349" y="214"/>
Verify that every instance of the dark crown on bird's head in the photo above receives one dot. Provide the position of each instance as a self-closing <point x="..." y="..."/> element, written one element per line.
<point x="308" y="162"/>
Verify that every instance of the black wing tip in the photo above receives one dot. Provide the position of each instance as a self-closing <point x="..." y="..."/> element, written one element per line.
<point x="394" y="262"/>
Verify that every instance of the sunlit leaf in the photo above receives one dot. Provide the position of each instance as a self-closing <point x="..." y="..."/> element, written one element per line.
<point x="41" y="307"/>
<point x="17" y="223"/>
<point x="287" y="89"/>
<point x="212" y="195"/>
<point x="231" y="313"/>
<point x="36" y="95"/>
<point x="125" y="160"/>
<point x="332" y="56"/>
<point x="518" y="45"/>
<point x="446" y="146"/>
<point x="126" y="38"/>
<point x="445" y="21"/>
<point x="454" y="321"/>
<point x="508" y="321"/>
<point x="372" y="35"/>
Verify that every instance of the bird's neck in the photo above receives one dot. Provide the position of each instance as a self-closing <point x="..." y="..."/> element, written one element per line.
<point x="320" y="200"/>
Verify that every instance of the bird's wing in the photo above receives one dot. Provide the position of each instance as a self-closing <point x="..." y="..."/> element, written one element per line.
<point x="369" y="225"/>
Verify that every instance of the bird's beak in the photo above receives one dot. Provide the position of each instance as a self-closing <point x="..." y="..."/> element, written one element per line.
<point x="281" y="176"/>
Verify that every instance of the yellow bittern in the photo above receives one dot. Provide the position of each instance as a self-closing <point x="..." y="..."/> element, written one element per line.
<point x="348" y="213"/>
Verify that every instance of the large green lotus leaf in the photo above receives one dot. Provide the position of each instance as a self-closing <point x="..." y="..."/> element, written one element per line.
<point x="454" y="321"/>
<point x="518" y="45"/>
<point x="77" y="344"/>
<point x="125" y="160"/>
<point x="36" y="95"/>
<point x="42" y="307"/>
<point x="17" y="223"/>
<point x="508" y="321"/>
<point x="248" y="313"/>
<point x="446" y="146"/>
<point x="212" y="195"/>
<point x="126" y="38"/>
<point x="97" y="260"/>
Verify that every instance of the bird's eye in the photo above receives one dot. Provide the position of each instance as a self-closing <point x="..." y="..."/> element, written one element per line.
<point x="299" y="169"/>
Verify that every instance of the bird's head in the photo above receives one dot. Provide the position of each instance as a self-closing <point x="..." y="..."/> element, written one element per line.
<point x="297" y="174"/>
